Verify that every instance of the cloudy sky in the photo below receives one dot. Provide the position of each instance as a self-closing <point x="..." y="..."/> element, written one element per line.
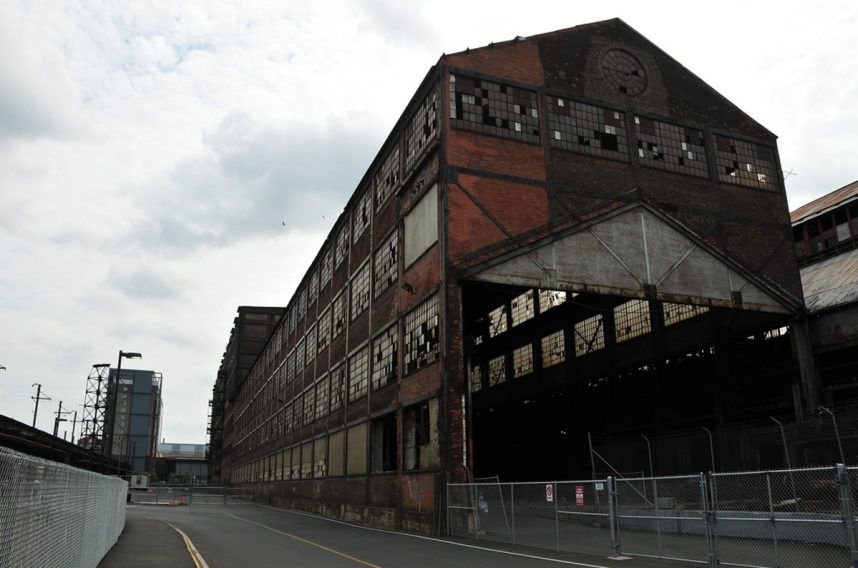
<point x="150" y="153"/>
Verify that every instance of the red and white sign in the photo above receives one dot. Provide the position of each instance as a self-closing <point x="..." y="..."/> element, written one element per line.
<point x="549" y="493"/>
<point x="579" y="494"/>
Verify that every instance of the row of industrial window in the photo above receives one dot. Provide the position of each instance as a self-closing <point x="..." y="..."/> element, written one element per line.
<point x="419" y="135"/>
<point x="374" y="365"/>
<point x="274" y="369"/>
<point x="372" y="446"/>
<point x="631" y="319"/>
<point x="520" y="309"/>
<point x="494" y="108"/>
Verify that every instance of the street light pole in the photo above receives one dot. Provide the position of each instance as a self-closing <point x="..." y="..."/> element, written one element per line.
<point x="113" y="398"/>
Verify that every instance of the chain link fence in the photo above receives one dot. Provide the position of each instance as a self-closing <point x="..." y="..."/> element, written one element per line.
<point x="53" y="514"/>
<point x="763" y="519"/>
<point x="193" y="495"/>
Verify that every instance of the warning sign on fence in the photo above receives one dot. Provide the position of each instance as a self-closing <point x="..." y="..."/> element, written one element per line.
<point x="549" y="493"/>
<point x="579" y="494"/>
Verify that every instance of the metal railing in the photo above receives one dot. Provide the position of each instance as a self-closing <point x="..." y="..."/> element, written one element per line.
<point x="762" y="519"/>
<point x="52" y="514"/>
<point x="193" y="495"/>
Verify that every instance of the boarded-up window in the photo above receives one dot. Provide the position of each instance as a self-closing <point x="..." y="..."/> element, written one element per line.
<point x="286" y="464"/>
<point x="356" y="440"/>
<point x="296" y="462"/>
<point x="335" y="453"/>
<point x="307" y="460"/>
<point x="421" y="226"/>
<point x="320" y="458"/>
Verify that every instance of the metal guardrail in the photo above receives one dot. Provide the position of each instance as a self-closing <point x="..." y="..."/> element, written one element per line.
<point x="55" y="515"/>
<point x="763" y="519"/>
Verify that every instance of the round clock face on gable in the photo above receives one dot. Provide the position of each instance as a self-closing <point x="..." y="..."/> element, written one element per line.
<point x="624" y="72"/>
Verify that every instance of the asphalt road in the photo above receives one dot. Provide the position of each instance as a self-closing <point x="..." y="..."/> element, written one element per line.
<point x="257" y="536"/>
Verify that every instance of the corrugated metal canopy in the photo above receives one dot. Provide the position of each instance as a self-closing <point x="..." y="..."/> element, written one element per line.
<point x="829" y="201"/>
<point x="832" y="282"/>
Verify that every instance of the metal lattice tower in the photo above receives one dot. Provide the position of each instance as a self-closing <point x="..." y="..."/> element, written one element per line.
<point x="94" y="407"/>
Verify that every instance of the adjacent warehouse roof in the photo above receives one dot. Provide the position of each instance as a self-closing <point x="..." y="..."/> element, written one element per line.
<point x="831" y="282"/>
<point x="825" y="203"/>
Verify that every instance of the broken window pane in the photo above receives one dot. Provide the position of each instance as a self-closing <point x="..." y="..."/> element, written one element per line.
<point x="422" y="131"/>
<point x="522" y="308"/>
<point x="671" y="147"/>
<point x="589" y="335"/>
<point x="522" y="360"/>
<point x="675" y="313"/>
<point x="587" y="129"/>
<point x="493" y="108"/>
<point x="384" y="357"/>
<point x="631" y="319"/>
<point x="420" y="430"/>
<point x="553" y="349"/>
<point x="421" y="335"/>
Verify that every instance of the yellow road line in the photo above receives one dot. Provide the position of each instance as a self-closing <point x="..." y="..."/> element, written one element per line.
<point x="199" y="562"/>
<point x="310" y="542"/>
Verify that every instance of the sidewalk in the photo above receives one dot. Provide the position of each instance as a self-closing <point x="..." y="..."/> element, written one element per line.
<point x="147" y="543"/>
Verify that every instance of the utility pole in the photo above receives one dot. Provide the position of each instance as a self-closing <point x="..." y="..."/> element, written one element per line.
<point x="74" y="425"/>
<point x="58" y="419"/>
<point x="37" y="398"/>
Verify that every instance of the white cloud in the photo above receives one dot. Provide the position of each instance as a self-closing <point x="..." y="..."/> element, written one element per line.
<point x="149" y="153"/>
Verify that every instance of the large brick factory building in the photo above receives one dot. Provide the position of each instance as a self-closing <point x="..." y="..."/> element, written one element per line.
<point x="563" y="235"/>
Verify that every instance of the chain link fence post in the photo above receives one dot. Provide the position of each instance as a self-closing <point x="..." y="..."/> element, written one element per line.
<point x="709" y="521"/>
<point x="613" y="518"/>
<point x="556" y="520"/>
<point x="773" y="520"/>
<point x="845" y="493"/>
<point x="512" y="509"/>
